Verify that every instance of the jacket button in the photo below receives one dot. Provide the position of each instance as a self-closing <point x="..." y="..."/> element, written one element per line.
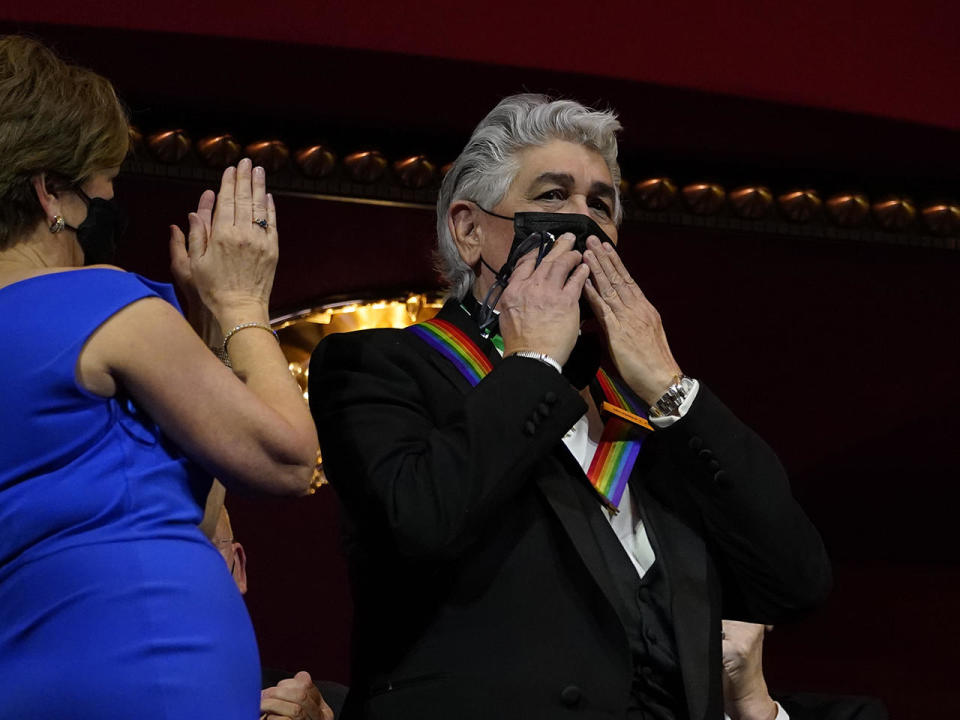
<point x="713" y="465"/>
<point x="550" y="397"/>
<point x="720" y="476"/>
<point x="695" y="443"/>
<point x="705" y="455"/>
<point x="543" y="409"/>
<point x="570" y="695"/>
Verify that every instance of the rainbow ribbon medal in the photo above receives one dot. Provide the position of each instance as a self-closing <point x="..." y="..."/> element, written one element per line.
<point x="623" y="432"/>
<point x="451" y="342"/>
<point x="620" y="442"/>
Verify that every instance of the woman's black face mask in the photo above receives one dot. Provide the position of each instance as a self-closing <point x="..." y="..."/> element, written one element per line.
<point x="101" y="229"/>
<point x="535" y="230"/>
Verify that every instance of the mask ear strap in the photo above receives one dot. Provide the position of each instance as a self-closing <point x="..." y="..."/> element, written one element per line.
<point x="487" y="265"/>
<point x="489" y="212"/>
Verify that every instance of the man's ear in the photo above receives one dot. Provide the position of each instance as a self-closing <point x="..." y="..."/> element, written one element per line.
<point x="466" y="231"/>
<point x="48" y="200"/>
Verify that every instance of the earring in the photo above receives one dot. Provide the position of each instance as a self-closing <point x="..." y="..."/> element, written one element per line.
<point x="58" y="224"/>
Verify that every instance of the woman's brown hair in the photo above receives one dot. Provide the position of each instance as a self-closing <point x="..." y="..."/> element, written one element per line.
<point x="55" y="118"/>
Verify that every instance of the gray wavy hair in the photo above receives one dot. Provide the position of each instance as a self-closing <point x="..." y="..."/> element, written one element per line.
<point x="486" y="167"/>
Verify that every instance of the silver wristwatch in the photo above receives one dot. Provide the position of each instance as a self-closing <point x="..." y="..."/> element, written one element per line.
<point x="670" y="402"/>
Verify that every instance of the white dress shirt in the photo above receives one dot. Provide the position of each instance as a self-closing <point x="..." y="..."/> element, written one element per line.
<point x="627" y="523"/>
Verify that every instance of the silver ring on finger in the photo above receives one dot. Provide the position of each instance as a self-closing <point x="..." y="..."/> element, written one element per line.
<point x="262" y="222"/>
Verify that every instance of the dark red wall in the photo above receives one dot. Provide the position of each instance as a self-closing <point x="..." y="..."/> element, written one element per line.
<point x="890" y="59"/>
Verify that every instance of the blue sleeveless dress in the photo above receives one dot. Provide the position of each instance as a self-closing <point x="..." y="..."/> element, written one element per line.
<point x="112" y="603"/>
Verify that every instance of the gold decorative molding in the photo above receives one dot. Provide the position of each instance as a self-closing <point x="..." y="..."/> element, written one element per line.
<point x="300" y="332"/>
<point x="369" y="176"/>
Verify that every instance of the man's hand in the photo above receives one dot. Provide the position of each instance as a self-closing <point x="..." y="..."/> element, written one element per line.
<point x="638" y="344"/>
<point x="296" y="697"/>
<point x="539" y="309"/>
<point x="745" y="695"/>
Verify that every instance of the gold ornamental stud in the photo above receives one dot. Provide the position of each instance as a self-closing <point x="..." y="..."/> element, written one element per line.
<point x="751" y="202"/>
<point x="800" y="205"/>
<point x="415" y="172"/>
<point x="894" y="212"/>
<point x="704" y="198"/>
<point x="169" y="146"/>
<point x="315" y="161"/>
<point x="366" y="166"/>
<point x="219" y="151"/>
<point x="271" y="155"/>
<point x="654" y="194"/>
<point x="848" y="209"/>
<point x="942" y="219"/>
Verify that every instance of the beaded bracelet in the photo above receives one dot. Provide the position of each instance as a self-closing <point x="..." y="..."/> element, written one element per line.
<point x="224" y="355"/>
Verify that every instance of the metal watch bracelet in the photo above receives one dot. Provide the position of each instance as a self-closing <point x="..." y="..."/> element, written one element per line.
<point x="671" y="400"/>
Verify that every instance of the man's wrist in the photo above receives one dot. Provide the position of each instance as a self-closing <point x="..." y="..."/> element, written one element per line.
<point x="542" y="357"/>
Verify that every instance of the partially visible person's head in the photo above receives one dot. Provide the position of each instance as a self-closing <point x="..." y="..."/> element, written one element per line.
<point x="232" y="551"/>
<point x="57" y="121"/>
<point x="492" y="160"/>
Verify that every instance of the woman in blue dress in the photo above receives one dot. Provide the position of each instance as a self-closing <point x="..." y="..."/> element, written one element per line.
<point x="115" y="416"/>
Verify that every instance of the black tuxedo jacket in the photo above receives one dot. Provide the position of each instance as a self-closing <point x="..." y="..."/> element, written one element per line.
<point x="479" y="586"/>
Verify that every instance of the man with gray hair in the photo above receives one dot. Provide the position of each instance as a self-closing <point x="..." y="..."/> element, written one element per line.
<point x="529" y="535"/>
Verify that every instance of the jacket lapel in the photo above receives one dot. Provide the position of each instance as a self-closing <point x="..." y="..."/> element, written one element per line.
<point x="682" y="556"/>
<point x="581" y="516"/>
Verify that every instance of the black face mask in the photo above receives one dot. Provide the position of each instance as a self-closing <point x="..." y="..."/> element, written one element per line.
<point x="547" y="227"/>
<point x="536" y="230"/>
<point x="98" y="233"/>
